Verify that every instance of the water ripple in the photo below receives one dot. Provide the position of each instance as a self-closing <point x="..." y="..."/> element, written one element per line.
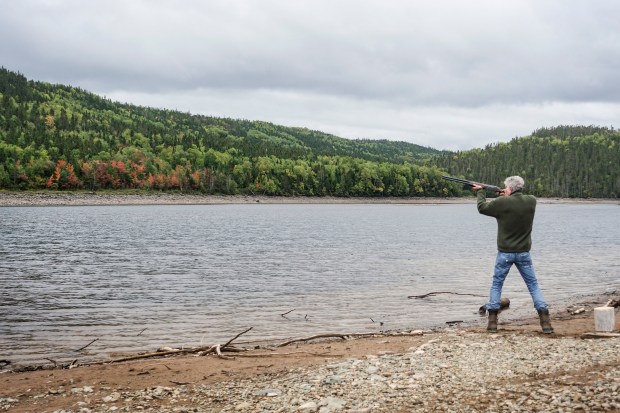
<point x="139" y="277"/>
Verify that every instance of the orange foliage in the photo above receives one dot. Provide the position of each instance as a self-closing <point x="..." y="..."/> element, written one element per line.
<point x="63" y="177"/>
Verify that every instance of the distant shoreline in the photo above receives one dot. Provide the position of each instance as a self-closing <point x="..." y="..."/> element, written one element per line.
<point x="88" y="198"/>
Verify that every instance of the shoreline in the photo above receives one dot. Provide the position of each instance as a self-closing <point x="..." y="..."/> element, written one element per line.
<point x="453" y="368"/>
<point x="49" y="198"/>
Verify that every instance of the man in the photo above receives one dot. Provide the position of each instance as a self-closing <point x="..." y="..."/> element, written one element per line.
<point x="514" y="212"/>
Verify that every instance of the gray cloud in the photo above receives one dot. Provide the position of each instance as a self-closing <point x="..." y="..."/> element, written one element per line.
<point x="359" y="69"/>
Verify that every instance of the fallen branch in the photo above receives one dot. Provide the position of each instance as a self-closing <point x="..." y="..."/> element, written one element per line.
<point x="218" y="351"/>
<point x="600" y="335"/>
<point x="232" y="349"/>
<point x="346" y="336"/>
<point x="293" y="353"/>
<point x="203" y="350"/>
<point x="443" y="292"/>
<point x="236" y="337"/>
<point x="286" y="343"/>
<point x="207" y="351"/>
<point x="142" y="356"/>
<point x="287" y="312"/>
<point x="181" y="383"/>
<point x="80" y="349"/>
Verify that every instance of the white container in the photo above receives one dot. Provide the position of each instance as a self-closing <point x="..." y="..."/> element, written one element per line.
<point x="604" y="319"/>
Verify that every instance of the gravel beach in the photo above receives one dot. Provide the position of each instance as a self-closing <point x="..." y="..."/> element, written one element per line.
<point x="458" y="369"/>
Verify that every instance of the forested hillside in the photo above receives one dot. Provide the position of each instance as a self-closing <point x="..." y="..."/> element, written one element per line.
<point x="564" y="161"/>
<point x="60" y="137"/>
<point x="63" y="138"/>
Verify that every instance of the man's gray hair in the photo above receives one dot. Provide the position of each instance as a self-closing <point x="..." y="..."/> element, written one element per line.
<point x="515" y="183"/>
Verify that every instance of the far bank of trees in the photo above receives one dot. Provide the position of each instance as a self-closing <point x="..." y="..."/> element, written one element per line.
<point x="564" y="161"/>
<point x="63" y="138"/>
<point x="226" y="173"/>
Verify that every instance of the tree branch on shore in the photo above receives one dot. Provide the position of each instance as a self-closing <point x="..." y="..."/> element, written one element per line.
<point x="82" y="348"/>
<point x="348" y="336"/>
<point x="443" y="292"/>
<point x="219" y="349"/>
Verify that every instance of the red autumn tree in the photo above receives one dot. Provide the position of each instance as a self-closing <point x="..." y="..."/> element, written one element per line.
<point x="63" y="177"/>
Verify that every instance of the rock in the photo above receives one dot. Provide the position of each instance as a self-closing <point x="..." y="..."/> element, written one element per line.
<point x="308" y="407"/>
<point x="332" y="380"/>
<point x="114" y="397"/>
<point x="331" y="404"/>
<point x="268" y="392"/>
<point x="242" y="406"/>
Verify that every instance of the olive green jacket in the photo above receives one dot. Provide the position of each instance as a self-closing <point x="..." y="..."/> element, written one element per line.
<point x="515" y="218"/>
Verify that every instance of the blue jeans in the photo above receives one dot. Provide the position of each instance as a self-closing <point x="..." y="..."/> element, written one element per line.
<point x="523" y="262"/>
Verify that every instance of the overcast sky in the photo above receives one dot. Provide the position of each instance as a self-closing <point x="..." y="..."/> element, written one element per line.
<point x="447" y="74"/>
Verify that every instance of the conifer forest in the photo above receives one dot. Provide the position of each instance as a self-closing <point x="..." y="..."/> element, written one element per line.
<point x="58" y="137"/>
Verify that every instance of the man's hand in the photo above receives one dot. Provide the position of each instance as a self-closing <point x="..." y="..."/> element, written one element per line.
<point x="476" y="188"/>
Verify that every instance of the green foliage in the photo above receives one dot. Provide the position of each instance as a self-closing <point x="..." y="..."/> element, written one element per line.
<point x="566" y="161"/>
<point x="64" y="138"/>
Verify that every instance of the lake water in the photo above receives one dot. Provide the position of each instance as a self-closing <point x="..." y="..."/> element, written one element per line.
<point x="139" y="277"/>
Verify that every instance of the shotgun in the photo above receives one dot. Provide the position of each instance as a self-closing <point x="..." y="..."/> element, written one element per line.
<point x="488" y="187"/>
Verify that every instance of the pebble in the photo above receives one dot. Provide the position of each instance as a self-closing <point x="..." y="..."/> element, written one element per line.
<point x="465" y="372"/>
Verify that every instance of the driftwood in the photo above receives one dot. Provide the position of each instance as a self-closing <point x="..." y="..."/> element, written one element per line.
<point x="236" y="337"/>
<point x="218" y="349"/>
<point x="82" y="348"/>
<point x="347" y="336"/>
<point x="443" y="292"/>
<point x="181" y="383"/>
<point x="600" y="335"/>
<point x="577" y="311"/>
<point x="504" y="303"/>
<point x="293" y="353"/>
<point x="203" y="350"/>
<point x="286" y="343"/>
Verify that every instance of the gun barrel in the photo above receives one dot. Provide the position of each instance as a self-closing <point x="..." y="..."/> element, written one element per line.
<point x="472" y="183"/>
<point x="459" y="180"/>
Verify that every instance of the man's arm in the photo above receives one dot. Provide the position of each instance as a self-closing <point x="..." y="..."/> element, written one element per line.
<point x="484" y="207"/>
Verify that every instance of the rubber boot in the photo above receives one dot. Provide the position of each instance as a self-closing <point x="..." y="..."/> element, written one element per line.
<point x="492" y="326"/>
<point x="545" y="321"/>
